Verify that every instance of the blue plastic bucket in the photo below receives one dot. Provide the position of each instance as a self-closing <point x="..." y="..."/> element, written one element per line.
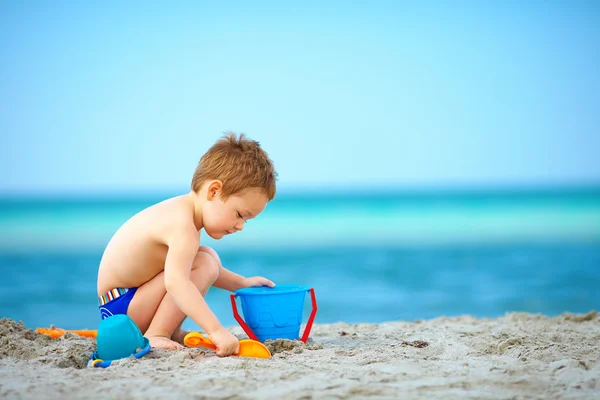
<point x="273" y="313"/>
<point x="118" y="337"/>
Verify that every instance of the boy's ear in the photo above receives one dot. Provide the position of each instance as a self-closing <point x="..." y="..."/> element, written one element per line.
<point x="213" y="189"/>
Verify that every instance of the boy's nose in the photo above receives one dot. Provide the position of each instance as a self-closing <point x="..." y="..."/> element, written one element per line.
<point x="239" y="226"/>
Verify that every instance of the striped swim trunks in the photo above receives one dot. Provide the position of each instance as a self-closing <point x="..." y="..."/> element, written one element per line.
<point x="115" y="301"/>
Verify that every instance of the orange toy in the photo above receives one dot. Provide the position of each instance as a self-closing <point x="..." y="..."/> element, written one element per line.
<point x="58" y="332"/>
<point x="248" y="347"/>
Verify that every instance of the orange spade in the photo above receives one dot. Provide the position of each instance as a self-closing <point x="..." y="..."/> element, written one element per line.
<point x="58" y="332"/>
<point x="248" y="347"/>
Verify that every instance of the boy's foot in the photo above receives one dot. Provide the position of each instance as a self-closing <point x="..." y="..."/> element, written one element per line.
<point x="179" y="335"/>
<point x="161" y="342"/>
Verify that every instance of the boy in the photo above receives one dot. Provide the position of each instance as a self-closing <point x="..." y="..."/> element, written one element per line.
<point x="154" y="269"/>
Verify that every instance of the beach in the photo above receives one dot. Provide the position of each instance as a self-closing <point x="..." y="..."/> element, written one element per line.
<point x="516" y="356"/>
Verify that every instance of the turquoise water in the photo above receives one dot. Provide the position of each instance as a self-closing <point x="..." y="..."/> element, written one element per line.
<point x="370" y="257"/>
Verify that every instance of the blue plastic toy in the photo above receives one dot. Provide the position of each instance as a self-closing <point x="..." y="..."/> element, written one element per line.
<point x="274" y="313"/>
<point x="118" y="337"/>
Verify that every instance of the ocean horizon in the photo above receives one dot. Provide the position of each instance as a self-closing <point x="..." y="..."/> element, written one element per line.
<point x="371" y="257"/>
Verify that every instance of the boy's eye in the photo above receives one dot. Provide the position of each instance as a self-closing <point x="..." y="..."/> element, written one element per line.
<point x="239" y="215"/>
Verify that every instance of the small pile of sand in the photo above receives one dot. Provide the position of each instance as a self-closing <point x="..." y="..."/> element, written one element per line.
<point x="296" y="346"/>
<point x="68" y="351"/>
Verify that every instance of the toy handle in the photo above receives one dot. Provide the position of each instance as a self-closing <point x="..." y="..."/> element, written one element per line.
<point x="311" y="318"/>
<point x="251" y="334"/>
<point x="240" y="321"/>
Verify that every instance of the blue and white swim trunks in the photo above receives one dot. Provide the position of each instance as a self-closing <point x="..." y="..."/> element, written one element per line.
<point x="115" y="301"/>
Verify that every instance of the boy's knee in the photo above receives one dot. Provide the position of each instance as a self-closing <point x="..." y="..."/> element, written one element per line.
<point x="207" y="265"/>
<point x="211" y="252"/>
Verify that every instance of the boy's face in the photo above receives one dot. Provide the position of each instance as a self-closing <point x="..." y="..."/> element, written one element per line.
<point x="222" y="218"/>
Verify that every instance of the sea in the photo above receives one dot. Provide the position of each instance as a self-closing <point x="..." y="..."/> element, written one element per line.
<point x="370" y="257"/>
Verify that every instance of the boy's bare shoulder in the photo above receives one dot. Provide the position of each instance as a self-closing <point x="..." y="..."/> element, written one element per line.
<point x="171" y="217"/>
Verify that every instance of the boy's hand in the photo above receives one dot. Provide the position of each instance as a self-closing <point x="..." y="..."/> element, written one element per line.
<point x="257" y="281"/>
<point x="227" y="344"/>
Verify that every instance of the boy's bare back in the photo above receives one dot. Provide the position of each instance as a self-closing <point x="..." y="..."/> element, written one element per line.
<point x="138" y="250"/>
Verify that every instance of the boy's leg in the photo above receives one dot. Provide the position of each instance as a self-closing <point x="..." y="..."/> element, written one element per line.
<point x="155" y="311"/>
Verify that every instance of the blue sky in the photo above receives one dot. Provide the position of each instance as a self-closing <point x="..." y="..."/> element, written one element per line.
<point x="111" y="97"/>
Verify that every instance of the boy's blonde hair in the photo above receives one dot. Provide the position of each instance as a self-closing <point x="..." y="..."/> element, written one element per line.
<point x="239" y="163"/>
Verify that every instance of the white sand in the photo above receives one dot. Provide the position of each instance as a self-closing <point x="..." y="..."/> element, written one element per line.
<point x="519" y="356"/>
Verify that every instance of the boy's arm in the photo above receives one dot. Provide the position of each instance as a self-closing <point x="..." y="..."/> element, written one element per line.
<point x="183" y="247"/>
<point x="231" y="281"/>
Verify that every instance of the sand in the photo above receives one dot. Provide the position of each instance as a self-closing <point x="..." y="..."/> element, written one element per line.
<point x="518" y="356"/>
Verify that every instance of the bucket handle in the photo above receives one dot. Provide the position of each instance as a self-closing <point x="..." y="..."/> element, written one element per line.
<point x="240" y="321"/>
<point x="311" y="318"/>
<point x="251" y="334"/>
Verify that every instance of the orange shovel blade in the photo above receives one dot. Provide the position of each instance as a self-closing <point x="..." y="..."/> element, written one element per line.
<point x="58" y="332"/>
<point x="252" y="348"/>
<point x="248" y="347"/>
